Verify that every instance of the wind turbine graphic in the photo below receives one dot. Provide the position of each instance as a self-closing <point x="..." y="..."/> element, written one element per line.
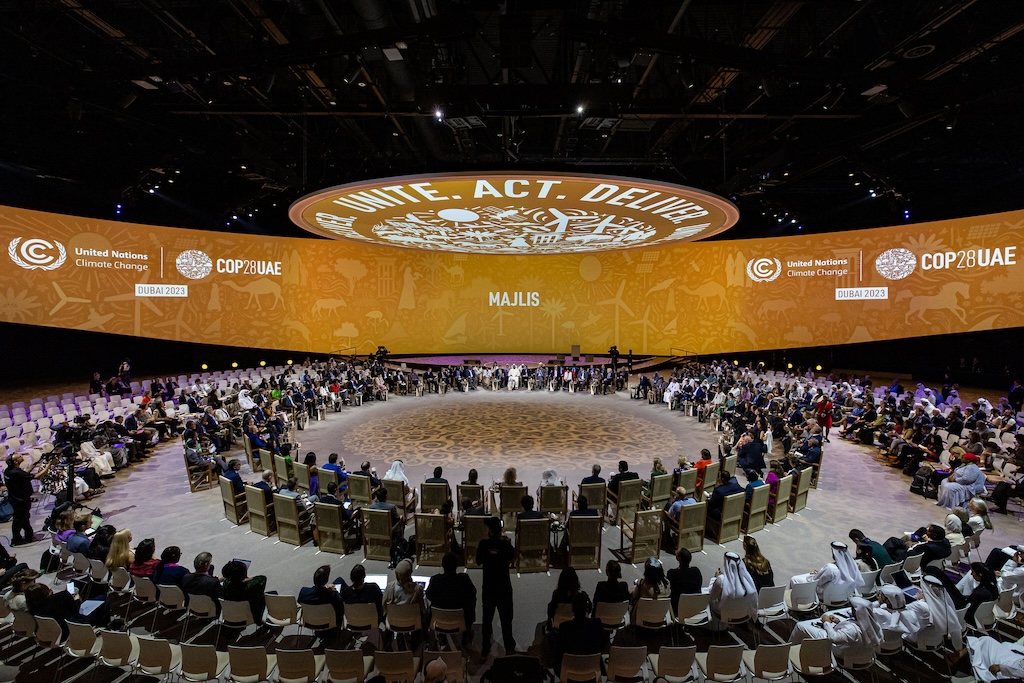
<point x="500" y="317"/>
<point x="619" y="305"/>
<point x="645" y="324"/>
<point x="64" y="299"/>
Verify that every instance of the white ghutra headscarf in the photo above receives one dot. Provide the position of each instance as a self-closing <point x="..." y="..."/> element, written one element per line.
<point x="864" y="615"/>
<point x="849" y="575"/>
<point x="397" y="472"/>
<point x="942" y="611"/>
<point x="737" y="582"/>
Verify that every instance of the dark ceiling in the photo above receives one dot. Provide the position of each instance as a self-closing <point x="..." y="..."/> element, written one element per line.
<point x="798" y="110"/>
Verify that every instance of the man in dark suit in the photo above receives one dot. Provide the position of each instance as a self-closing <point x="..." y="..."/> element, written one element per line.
<point x="726" y="487"/>
<point x="202" y="581"/>
<point x="322" y="594"/>
<point x="583" y="508"/>
<point x="364" y="471"/>
<point x="494" y="555"/>
<point x="331" y="497"/>
<point x="451" y="590"/>
<point x="595" y="476"/>
<point x="581" y="635"/>
<point x="473" y="510"/>
<point x="750" y="454"/>
<point x="528" y="511"/>
<point x="622" y="475"/>
<point x="934" y="546"/>
<point x="266" y="484"/>
<point x="438" y="479"/>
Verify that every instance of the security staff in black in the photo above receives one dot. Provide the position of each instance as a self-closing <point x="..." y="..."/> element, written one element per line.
<point x="495" y="555"/>
<point x="19" y="492"/>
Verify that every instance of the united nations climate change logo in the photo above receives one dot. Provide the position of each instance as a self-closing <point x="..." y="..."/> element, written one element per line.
<point x="896" y="264"/>
<point x="37" y="254"/>
<point x="193" y="264"/>
<point x="764" y="269"/>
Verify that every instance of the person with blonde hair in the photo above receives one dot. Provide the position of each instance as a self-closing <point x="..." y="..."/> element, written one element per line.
<point x="121" y="553"/>
<point x="757" y="564"/>
<point x="511" y="477"/>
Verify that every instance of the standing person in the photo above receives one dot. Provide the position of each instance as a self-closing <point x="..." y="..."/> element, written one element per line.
<point x="494" y="555"/>
<point x="823" y="414"/>
<point x="124" y="371"/>
<point x="19" y="492"/>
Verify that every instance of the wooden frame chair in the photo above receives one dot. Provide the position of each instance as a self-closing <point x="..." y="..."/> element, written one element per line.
<point x="396" y="495"/>
<point x="360" y="490"/>
<point x="200" y="477"/>
<point x="583" y="534"/>
<point x="659" y="491"/>
<point x="433" y="538"/>
<point x="688" y="480"/>
<point x="473" y="531"/>
<point x="779" y="510"/>
<point x="326" y="477"/>
<point x="596" y="495"/>
<point x="261" y="513"/>
<point x="432" y="496"/>
<point x="509" y="503"/>
<point x="798" y="496"/>
<point x="644" y="535"/>
<point x="281" y="470"/>
<point x="255" y="463"/>
<point x="627" y="499"/>
<point x="815" y="469"/>
<point x="294" y="526"/>
<point x="755" y="510"/>
<point x="330" y="526"/>
<point x="235" y="510"/>
<point x="301" y="473"/>
<point x="729" y="463"/>
<point x="555" y="500"/>
<point x="475" y="492"/>
<point x="727" y="528"/>
<point x="533" y="545"/>
<point x="688" y="531"/>
<point x="710" y="480"/>
<point x="376" y="534"/>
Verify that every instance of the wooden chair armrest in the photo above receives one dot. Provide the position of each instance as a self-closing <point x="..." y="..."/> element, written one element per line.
<point x="611" y="496"/>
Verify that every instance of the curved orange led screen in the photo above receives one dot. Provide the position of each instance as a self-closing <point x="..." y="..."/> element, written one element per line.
<point x="514" y="213"/>
<point x="712" y="297"/>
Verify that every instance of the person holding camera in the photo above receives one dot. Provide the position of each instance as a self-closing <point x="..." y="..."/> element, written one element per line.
<point x="19" y="492"/>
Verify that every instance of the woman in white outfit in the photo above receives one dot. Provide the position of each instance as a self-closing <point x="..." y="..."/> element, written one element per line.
<point x="862" y="631"/>
<point x="548" y="478"/>
<point x="837" y="580"/>
<point x="101" y="461"/>
<point x="733" y="584"/>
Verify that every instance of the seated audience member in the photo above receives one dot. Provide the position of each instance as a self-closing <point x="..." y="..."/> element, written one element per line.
<point x="978" y="586"/>
<point x="732" y="584"/>
<point x="993" y="660"/>
<point x="568" y="586"/>
<point x="837" y="580"/>
<point x="331" y="497"/>
<point x="622" y="475"/>
<point x="144" y="563"/>
<point x="403" y="590"/>
<point x="168" y="572"/>
<point x="63" y="606"/>
<point x="19" y="584"/>
<point x="583" y="508"/>
<point x="322" y="593"/>
<point x="397" y="473"/>
<point x="548" y="477"/>
<point x="438" y="479"/>
<point x="726" y="487"/>
<point x="879" y="553"/>
<point x="613" y="589"/>
<point x="232" y="475"/>
<point x="452" y="590"/>
<point x="679" y="499"/>
<point x="472" y="478"/>
<point x="684" y="579"/>
<point x="528" y="512"/>
<point x="811" y="455"/>
<point x="963" y="483"/>
<point x="473" y="508"/>
<point x="581" y="635"/>
<point x="595" y="476"/>
<point x="239" y="587"/>
<point x="753" y="482"/>
<point x="360" y="592"/>
<point x="862" y="631"/>
<point x="652" y="585"/>
<point x="101" y="540"/>
<point x="510" y="477"/>
<point x="702" y="465"/>
<point x="202" y="581"/>
<point x="757" y="564"/>
<point x="934" y="545"/>
<point x="865" y="559"/>
<point x="121" y="553"/>
<point x="266" y="484"/>
<point x="78" y="542"/>
<point x="366" y="471"/>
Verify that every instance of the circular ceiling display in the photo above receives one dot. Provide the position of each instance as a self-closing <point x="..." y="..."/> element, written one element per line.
<point x="514" y="213"/>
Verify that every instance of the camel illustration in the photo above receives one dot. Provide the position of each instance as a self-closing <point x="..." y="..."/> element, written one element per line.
<point x="258" y="288"/>
<point x="457" y="274"/>
<point x="441" y="303"/>
<point x="779" y="306"/>
<point x="705" y="293"/>
<point x="329" y="305"/>
<point x="945" y="300"/>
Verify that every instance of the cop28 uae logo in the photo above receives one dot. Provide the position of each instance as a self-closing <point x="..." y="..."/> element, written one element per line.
<point x="764" y="269"/>
<point x="193" y="264"/>
<point x="37" y="254"/>
<point x="896" y="264"/>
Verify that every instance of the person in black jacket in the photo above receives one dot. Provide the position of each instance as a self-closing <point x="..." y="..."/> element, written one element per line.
<point x="684" y="579"/>
<point x="451" y="590"/>
<point x="612" y="590"/>
<point x="495" y="555"/>
<point x="726" y="487"/>
<point x="202" y="581"/>
<point x="360" y="592"/>
<point x="322" y="594"/>
<point x="581" y="635"/>
<point x="622" y="475"/>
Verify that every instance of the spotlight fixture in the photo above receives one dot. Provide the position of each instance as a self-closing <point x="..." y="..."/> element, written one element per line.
<point x="818" y="367"/>
<point x="579" y="109"/>
<point x="204" y="366"/>
<point x="263" y="363"/>
<point x="789" y="366"/>
<point x="289" y="361"/>
<point x="438" y="114"/>
<point x="234" y="364"/>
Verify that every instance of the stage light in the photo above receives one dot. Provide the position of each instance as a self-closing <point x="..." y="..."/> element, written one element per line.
<point x="263" y="363"/>
<point x="735" y="362"/>
<point x="789" y="366"/>
<point x="234" y="217"/>
<point x="906" y="214"/>
<point x="170" y="180"/>
<point x="176" y="172"/>
<point x="234" y="364"/>
<point x="289" y="361"/>
<point x="204" y="366"/>
<point x="760" y="364"/>
<point x="818" y="368"/>
<point x="438" y="114"/>
<point x="579" y="109"/>
<point x="152" y="190"/>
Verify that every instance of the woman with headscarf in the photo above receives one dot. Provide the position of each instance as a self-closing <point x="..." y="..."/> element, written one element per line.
<point x="733" y="583"/>
<point x="397" y="473"/>
<point x="978" y="585"/>
<point x="993" y="660"/>
<point x="965" y="482"/>
<point x="862" y="631"/>
<point x="548" y="477"/>
<point x="403" y="590"/>
<point x="954" y="529"/>
<point x="837" y="580"/>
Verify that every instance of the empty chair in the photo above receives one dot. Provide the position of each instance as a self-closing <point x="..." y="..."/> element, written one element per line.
<point x="722" y="663"/>
<point x="201" y="663"/>
<point x="813" y="657"/>
<point x="447" y="622"/>
<point x="82" y="643"/>
<point x="885" y="575"/>
<point x="403" y="619"/>
<point x="282" y="610"/>
<point x="651" y="613"/>
<point x="347" y="665"/>
<point x="612" y="615"/>
<point x="674" y="663"/>
<point x="868" y="584"/>
<point x="299" y="666"/>
<point x="250" y="664"/>
<point x="693" y="609"/>
<point x="771" y="604"/>
<point x="235" y="614"/>
<point x="119" y="650"/>
<point x="397" y="667"/>
<point x="48" y="634"/>
<point x="802" y="597"/>
<point x="984" y="617"/>
<point x="581" y="668"/>
<point x="158" y="657"/>
<point x="626" y="663"/>
<point x="768" y="662"/>
<point x="319" y="617"/>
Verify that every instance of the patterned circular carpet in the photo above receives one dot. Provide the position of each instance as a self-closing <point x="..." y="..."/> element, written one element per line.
<point x="534" y="430"/>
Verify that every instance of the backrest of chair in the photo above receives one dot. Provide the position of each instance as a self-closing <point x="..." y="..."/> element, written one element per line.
<point x="117" y="646"/>
<point x="888" y="570"/>
<point x="295" y="664"/>
<point x="533" y="544"/>
<point x="201" y="605"/>
<point x="98" y="571"/>
<point x="771" y="596"/>
<point x="24" y="624"/>
<point x="867" y="582"/>
<point x="584" y="535"/>
<point x="629" y="492"/>
<point x="345" y="665"/>
<point x="576" y="667"/>
<point x="660" y="489"/>
<point x="724" y="660"/>
<point x="48" y="633"/>
<point x="301" y="473"/>
<point x="732" y="515"/>
<point x="691" y="604"/>
<point x="144" y="589"/>
<point x="432" y="496"/>
<point x="780" y="510"/>
<point x="771" y="661"/>
<point x="688" y="480"/>
<point x="984" y="616"/>
<point x="646" y="534"/>
<point x="404" y="616"/>
<point x="155" y="653"/>
<point x="510" y="502"/>
<point x="710" y="480"/>
<point x="912" y="563"/>
<point x="474" y="530"/>
<point x="236" y="612"/>
<point x="359" y="489"/>
<point x="475" y="493"/>
<point x="554" y="499"/>
<point x="396" y="491"/>
<point x="729" y="463"/>
<point x="816" y="653"/>
<point x="676" y="662"/>
<point x="248" y="661"/>
<point x="172" y="597"/>
<point x="395" y="666"/>
<point x="447" y="619"/>
<point x="361" y="616"/>
<point x="286" y="509"/>
<point x="626" y="661"/>
<point x="596" y="495"/>
<point x="327" y="476"/>
<point x="611" y="614"/>
<point x="282" y="607"/>
<point x="692" y="520"/>
<point x="376" y="533"/>
<point x="804" y="593"/>
<point x="754" y="516"/>
<point x="798" y="496"/>
<point x="81" y="638"/>
<point x="261" y="514"/>
<point x="651" y="612"/>
<point x="322" y="617"/>
<point x="281" y="470"/>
